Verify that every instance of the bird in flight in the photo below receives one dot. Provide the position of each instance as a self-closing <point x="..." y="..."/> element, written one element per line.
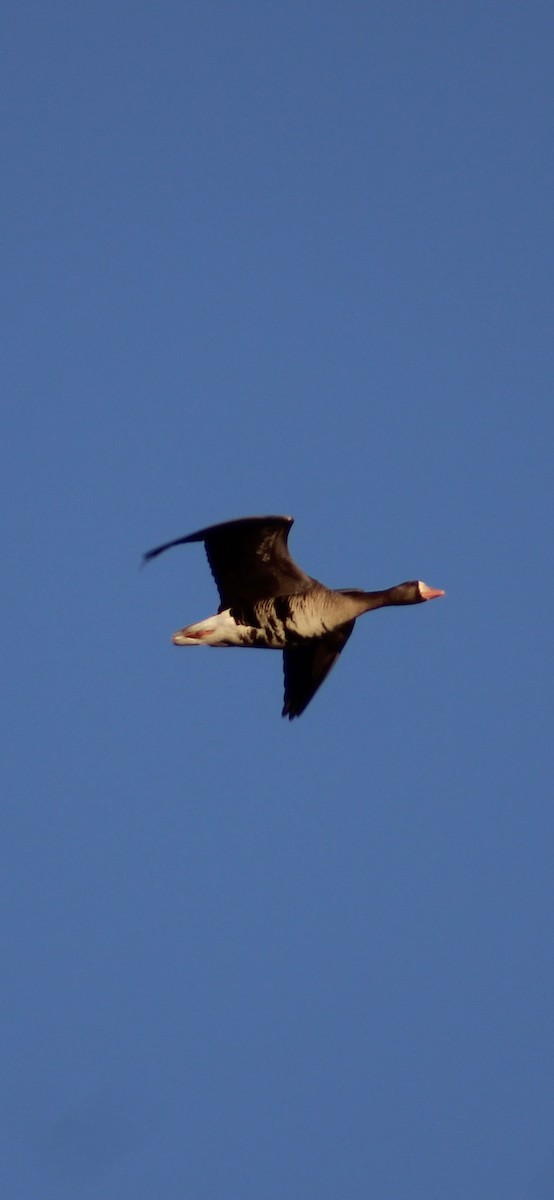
<point x="268" y="602"/>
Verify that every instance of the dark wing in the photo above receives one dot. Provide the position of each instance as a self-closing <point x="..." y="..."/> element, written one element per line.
<point x="307" y="666"/>
<point x="249" y="558"/>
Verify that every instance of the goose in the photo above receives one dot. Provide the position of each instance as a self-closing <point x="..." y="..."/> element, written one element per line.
<point x="268" y="602"/>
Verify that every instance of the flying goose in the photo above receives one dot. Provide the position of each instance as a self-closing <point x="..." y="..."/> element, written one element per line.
<point x="268" y="602"/>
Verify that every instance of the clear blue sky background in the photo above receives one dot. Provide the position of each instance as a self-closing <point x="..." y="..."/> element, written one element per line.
<point x="277" y="257"/>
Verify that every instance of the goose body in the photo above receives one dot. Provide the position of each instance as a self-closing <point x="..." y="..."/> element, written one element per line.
<point x="268" y="602"/>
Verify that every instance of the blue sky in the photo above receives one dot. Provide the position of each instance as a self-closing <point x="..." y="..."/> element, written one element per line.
<point x="291" y="258"/>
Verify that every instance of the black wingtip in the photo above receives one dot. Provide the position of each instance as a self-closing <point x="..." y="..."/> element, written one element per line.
<point x="166" y="546"/>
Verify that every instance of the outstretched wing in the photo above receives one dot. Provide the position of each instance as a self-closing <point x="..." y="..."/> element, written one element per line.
<point x="308" y="665"/>
<point x="249" y="558"/>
